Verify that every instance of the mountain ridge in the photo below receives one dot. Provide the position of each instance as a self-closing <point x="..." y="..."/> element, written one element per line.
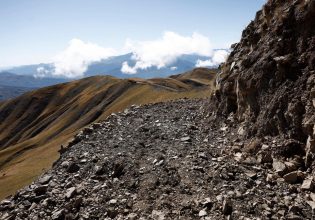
<point x="113" y="65"/>
<point x="42" y="120"/>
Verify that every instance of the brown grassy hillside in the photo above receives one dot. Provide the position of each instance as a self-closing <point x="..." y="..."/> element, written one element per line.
<point x="35" y="125"/>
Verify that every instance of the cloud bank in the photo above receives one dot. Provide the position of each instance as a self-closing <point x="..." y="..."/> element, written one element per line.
<point x="76" y="58"/>
<point x="163" y="52"/>
<point x="219" y="56"/>
<point x="74" y="61"/>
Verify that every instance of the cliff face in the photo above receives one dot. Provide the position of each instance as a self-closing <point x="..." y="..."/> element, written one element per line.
<point x="268" y="80"/>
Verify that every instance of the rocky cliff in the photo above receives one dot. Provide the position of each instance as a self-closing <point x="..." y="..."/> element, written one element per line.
<point x="268" y="82"/>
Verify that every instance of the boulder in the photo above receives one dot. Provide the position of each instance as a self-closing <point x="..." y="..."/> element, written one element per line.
<point x="70" y="192"/>
<point x="45" y="179"/>
<point x="293" y="177"/>
<point x="40" y="190"/>
<point x="58" y="214"/>
<point x="279" y="167"/>
<point x="202" y="213"/>
<point x="73" y="168"/>
<point x="227" y="207"/>
<point x="308" y="184"/>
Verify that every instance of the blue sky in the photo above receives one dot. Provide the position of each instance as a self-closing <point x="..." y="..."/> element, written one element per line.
<point x="34" y="31"/>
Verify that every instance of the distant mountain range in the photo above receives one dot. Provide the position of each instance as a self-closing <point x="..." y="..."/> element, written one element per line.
<point x="8" y="92"/>
<point x="112" y="66"/>
<point x="21" y="77"/>
<point x="27" y="81"/>
<point x="12" y="85"/>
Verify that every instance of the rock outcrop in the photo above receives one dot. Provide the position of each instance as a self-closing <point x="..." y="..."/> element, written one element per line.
<point x="268" y="81"/>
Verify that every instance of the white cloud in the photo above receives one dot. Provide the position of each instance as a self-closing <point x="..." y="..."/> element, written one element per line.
<point x="127" y="69"/>
<point x="219" y="56"/>
<point x="204" y="63"/>
<point x="41" y="72"/>
<point x="75" y="59"/>
<point x="173" y="68"/>
<point x="163" y="52"/>
<point x="159" y="53"/>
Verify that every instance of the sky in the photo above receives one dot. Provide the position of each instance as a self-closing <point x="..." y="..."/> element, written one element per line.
<point x="35" y="31"/>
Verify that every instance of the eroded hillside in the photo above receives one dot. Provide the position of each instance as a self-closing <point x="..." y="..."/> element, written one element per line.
<point x="35" y="125"/>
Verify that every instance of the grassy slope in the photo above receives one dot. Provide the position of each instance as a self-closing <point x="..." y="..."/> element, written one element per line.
<point x="35" y="125"/>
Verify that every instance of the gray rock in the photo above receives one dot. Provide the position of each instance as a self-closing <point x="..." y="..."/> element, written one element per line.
<point x="99" y="170"/>
<point x="70" y="192"/>
<point x="207" y="203"/>
<point x="264" y="147"/>
<point x="185" y="139"/>
<point x="227" y="207"/>
<point x="112" y="201"/>
<point x="159" y="163"/>
<point x="72" y="168"/>
<point x="279" y="167"/>
<point x="310" y="150"/>
<point x="45" y="179"/>
<point x="311" y="204"/>
<point x="308" y="184"/>
<point x="33" y="206"/>
<point x="202" y="213"/>
<point x="40" y="190"/>
<point x="264" y="157"/>
<point x="132" y="216"/>
<point x="291" y="177"/>
<point x="65" y="164"/>
<point x="77" y="202"/>
<point x="158" y="215"/>
<point x="58" y="214"/>
<point x="292" y="216"/>
<point x="251" y="174"/>
<point x="291" y="166"/>
<point x="271" y="178"/>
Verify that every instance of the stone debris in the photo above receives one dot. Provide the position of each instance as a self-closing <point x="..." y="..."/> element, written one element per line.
<point x="150" y="172"/>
